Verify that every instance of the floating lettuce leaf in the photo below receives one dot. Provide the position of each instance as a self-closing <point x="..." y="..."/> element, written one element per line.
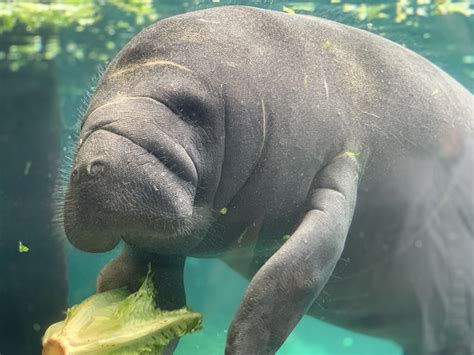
<point x="22" y="248"/>
<point x="119" y="322"/>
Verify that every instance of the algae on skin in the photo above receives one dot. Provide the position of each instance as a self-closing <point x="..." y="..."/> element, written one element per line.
<point x="119" y="322"/>
<point x="327" y="44"/>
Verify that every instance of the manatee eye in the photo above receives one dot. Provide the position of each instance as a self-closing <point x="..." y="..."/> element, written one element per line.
<point x="194" y="101"/>
<point x="188" y="107"/>
<point x="191" y="109"/>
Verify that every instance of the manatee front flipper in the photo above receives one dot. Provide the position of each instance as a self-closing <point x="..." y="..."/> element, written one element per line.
<point x="288" y="283"/>
<point x="129" y="270"/>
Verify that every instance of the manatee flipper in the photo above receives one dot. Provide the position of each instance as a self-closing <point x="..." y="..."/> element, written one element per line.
<point x="288" y="283"/>
<point x="129" y="270"/>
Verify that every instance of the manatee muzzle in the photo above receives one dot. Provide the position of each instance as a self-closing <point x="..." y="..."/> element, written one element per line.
<point x="130" y="178"/>
<point x="145" y="122"/>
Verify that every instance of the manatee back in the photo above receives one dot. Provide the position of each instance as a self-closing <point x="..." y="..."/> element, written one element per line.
<point x="329" y="76"/>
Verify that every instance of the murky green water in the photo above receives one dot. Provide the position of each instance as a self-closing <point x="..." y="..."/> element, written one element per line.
<point x="442" y="34"/>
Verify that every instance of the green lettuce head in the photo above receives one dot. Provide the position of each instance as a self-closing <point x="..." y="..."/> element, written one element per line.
<point x="119" y="322"/>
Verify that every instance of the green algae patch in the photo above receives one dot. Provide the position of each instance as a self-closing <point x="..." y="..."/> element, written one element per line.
<point x="119" y="322"/>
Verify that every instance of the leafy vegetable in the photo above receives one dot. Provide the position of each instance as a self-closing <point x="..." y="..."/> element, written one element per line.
<point x="117" y="322"/>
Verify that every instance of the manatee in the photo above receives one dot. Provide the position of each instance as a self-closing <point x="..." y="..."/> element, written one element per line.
<point x="328" y="165"/>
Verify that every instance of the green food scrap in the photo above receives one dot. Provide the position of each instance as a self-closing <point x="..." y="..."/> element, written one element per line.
<point x="119" y="322"/>
<point x="435" y="92"/>
<point x="305" y="81"/>
<point x="302" y="6"/>
<point x="223" y="211"/>
<point x="351" y="154"/>
<point x="22" y="248"/>
<point x="286" y="237"/>
<point x="27" y="168"/>
<point x="365" y="12"/>
<point x="288" y="10"/>
<point x="446" y="7"/>
<point x="327" y="44"/>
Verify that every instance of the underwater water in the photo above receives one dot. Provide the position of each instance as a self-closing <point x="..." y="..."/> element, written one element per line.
<point x="212" y="287"/>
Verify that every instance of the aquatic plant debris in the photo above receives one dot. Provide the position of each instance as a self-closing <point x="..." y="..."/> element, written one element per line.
<point x="435" y="92"/>
<point x="288" y="10"/>
<point x="22" y="248"/>
<point x="327" y="44"/>
<point x="351" y="154"/>
<point x="223" y="211"/>
<point x="119" y="322"/>
<point x="27" y="168"/>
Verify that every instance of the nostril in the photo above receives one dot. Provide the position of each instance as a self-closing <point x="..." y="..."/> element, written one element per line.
<point x="95" y="167"/>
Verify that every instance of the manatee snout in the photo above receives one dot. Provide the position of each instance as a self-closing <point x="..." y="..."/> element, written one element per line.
<point x="130" y="181"/>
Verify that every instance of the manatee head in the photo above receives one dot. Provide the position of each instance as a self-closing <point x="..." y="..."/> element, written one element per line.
<point x="148" y="160"/>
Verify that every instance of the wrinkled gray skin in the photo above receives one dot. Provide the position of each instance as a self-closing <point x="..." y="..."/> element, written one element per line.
<point x="285" y="120"/>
